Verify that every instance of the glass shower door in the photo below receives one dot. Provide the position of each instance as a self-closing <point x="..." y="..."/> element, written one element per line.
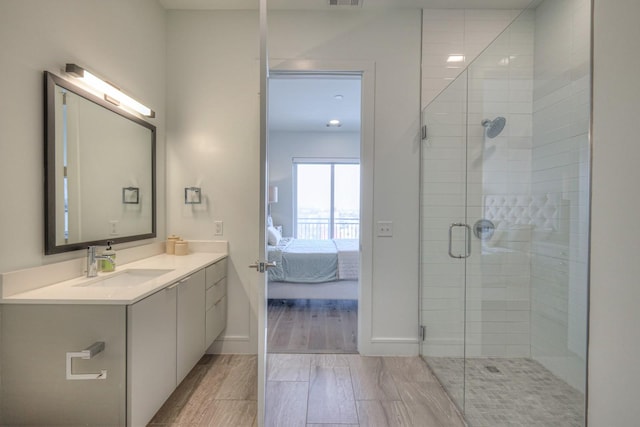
<point x="526" y="202"/>
<point x="444" y="240"/>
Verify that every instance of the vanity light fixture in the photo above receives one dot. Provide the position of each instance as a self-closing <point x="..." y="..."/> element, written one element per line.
<point x="110" y="92"/>
<point x="334" y="123"/>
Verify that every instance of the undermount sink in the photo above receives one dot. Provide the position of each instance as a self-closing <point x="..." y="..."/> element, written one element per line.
<point x="127" y="278"/>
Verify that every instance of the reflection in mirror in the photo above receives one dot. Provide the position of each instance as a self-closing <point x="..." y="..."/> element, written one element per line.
<point x="96" y="156"/>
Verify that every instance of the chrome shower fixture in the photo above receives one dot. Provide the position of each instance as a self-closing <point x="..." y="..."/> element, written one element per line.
<point x="494" y="127"/>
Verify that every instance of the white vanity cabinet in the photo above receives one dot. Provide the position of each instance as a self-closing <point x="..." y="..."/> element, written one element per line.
<point x="216" y="301"/>
<point x="190" y="323"/>
<point x="166" y="338"/>
<point x="35" y="340"/>
<point x="149" y="347"/>
<point x="151" y="354"/>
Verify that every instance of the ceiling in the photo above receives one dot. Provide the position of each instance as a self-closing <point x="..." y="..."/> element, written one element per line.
<point x="307" y="103"/>
<point x="366" y="4"/>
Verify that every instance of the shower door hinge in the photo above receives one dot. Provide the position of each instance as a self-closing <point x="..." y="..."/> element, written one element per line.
<point x="424" y="132"/>
<point x="422" y="332"/>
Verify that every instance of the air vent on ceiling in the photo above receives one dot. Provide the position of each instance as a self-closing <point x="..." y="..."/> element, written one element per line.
<point x="352" y="3"/>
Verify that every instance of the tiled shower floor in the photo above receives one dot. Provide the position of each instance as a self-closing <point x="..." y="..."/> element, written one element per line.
<point x="521" y="393"/>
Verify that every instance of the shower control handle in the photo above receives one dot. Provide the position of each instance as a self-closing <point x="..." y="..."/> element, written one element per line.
<point x="467" y="238"/>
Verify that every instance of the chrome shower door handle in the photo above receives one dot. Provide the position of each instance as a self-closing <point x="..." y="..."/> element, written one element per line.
<point x="467" y="238"/>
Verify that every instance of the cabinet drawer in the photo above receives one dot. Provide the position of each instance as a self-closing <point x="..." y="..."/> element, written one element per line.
<point x="216" y="292"/>
<point x="216" y="320"/>
<point x="215" y="272"/>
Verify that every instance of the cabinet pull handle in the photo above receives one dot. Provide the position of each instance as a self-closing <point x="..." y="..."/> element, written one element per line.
<point x="172" y="286"/>
<point x="87" y="353"/>
<point x="185" y="279"/>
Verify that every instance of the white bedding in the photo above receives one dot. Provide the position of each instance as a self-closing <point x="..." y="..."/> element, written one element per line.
<point x="348" y="258"/>
<point x="314" y="261"/>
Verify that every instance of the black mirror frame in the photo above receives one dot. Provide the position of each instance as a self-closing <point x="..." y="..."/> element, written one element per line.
<point x="50" y="247"/>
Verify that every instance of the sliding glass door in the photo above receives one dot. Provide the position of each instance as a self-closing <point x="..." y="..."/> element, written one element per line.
<point x="327" y="199"/>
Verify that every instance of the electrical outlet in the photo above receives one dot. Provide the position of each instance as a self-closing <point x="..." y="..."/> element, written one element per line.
<point x="113" y="227"/>
<point x="385" y="228"/>
<point x="218" y="228"/>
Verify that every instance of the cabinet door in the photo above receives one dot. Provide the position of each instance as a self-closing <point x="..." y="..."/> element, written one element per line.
<point x="35" y="339"/>
<point x="151" y="355"/>
<point x="191" y="311"/>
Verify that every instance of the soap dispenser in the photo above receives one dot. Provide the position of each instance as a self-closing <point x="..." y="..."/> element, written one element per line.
<point x="105" y="264"/>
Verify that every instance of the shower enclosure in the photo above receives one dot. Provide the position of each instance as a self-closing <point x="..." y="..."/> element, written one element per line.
<point x="505" y="224"/>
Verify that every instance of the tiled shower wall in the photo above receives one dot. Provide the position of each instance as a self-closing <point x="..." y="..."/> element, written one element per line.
<point x="461" y="32"/>
<point x="496" y="298"/>
<point x="560" y="168"/>
<point x="445" y="33"/>
<point x="499" y="171"/>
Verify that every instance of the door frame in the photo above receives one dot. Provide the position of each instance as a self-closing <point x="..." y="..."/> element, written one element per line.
<point x="366" y="69"/>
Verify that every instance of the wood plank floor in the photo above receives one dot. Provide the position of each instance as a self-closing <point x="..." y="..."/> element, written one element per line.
<point x="221" y="391"/>
<point x="312" y="326"/>
<point x="310" y="390"/>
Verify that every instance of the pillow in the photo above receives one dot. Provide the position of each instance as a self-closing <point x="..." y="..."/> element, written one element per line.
<point x="273" y="236"/>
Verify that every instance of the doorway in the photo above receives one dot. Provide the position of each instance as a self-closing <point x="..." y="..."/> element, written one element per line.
<point x="313" y="218"/>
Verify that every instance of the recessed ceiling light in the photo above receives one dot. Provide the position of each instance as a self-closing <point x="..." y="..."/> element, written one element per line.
<point x="455" y="58"/>
<point x="334" y="123"/>
<point x="338" y="97"/>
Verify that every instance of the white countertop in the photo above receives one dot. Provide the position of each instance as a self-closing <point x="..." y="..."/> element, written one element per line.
<point x="73" y="292"/>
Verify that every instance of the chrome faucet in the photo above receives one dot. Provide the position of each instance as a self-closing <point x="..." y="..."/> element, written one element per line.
<point x="92" y="261"/>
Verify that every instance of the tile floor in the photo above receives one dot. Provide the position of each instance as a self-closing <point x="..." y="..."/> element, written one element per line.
<point x="521" y="393"/>
<point x="310" y="390"/>
<point x="221" y="390"/>
<point x="315" y="390"/>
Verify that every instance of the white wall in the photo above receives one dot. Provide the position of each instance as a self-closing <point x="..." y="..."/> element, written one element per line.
<point x="284" y="146"/>
<point x="213" y="143"/>
<point x="390" y="40"/>
<point x="38" y="35"/>
<point x="614" y="336"/>
<point x="212" y="139"/>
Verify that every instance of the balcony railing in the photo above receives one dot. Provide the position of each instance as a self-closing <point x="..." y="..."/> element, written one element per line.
<point x="318" y="228"/>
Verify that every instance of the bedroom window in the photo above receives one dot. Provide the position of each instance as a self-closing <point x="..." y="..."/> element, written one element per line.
<point x="327" y="200"/>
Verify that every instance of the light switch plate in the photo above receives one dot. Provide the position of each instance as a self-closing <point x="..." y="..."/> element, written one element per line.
<point x="113" y="227"/>
<point x="218" y="228"/>
<point x="385" y="228"/>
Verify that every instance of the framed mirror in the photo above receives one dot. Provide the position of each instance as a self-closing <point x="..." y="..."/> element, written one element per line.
<point x="99" y="170"/>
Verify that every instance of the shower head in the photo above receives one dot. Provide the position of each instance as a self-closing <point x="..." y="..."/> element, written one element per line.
<point x="494" y="127"/>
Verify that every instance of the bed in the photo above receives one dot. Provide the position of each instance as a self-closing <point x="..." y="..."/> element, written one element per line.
<point x="314" y="269"/>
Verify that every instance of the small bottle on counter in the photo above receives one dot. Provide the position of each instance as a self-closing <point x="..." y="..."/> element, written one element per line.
<point x="181" y="247"/>
<point x="171" y="244"/>
<point x="105" y="264"/>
